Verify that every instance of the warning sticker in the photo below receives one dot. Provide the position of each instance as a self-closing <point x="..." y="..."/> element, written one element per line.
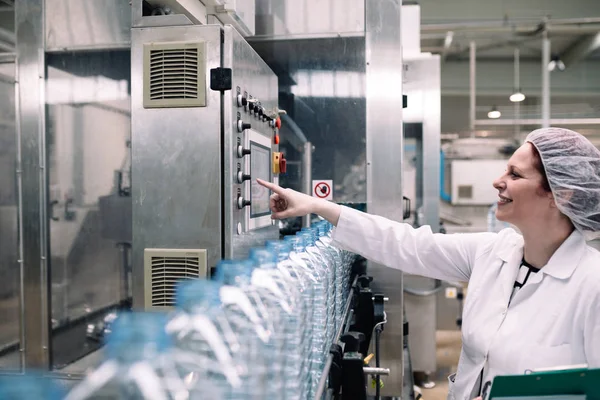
<point x="322" y="189"/>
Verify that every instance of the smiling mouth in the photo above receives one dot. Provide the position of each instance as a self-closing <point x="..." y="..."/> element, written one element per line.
<point x="504" y="200"/>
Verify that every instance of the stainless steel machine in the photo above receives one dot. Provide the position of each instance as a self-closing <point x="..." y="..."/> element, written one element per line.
<point x="204" y="127"/>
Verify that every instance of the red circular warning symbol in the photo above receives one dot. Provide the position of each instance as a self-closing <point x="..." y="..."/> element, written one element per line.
<point x="322" y="190"/>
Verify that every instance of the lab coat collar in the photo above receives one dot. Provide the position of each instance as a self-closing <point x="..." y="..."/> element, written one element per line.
<point x="565" y="259"/>
<point x="562" y="263"/>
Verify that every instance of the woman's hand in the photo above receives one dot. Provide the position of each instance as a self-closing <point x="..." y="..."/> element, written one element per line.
<point x="287" y="203"/>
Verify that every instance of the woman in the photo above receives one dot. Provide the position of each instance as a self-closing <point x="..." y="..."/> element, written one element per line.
<point x="534" y="297"/>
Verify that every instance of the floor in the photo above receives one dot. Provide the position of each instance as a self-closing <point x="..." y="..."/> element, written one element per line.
<point x="448" y="353"/>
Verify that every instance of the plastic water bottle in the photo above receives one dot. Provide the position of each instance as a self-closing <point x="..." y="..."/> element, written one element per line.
<point x="305" y="281"/>
<point x="325" y="263"/>
<point x="320" y="319"/>
<point x="293" y="317"/>
<point x="30" y="386"/>
<point x="220" y="341"/>
<point x="268" y="303"/>
<point x="140" y="363"/>
<point x="341" y="271"/>
<point x="321" y="252"/>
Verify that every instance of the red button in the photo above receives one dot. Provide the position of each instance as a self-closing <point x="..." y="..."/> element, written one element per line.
<point x="282" y="165"/>
<point x="278" y="123"/>
<point x="276" y="139"/>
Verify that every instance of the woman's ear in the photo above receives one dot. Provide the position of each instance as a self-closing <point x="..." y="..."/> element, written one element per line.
<point x="562" y="196"/>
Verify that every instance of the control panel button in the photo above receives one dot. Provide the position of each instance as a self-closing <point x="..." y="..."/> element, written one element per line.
<point x="278" y="123"/>
<point x="241" y="177"/>
<point x="242" y="126"/>
<point x="241" y="202"/>
<point x="241" y="151"/>
<point x="276" y="139"/>
<point x="282" y="165"/>
<point x="242" y="101"/>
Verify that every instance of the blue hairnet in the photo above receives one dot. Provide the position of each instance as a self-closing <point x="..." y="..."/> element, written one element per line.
<point x="572" y="165"/>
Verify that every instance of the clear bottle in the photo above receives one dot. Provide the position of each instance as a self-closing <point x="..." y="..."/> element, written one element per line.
<point x="217" y="330"/>
<point x="240" y="274"/>
<point x="320" y="322"/>
<point x="294" y="316"/>
<point x="141" y="363"/>
<point x="307" y="282"/>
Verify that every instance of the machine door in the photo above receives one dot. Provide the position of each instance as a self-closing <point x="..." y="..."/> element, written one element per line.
<point x="89" y="206"/>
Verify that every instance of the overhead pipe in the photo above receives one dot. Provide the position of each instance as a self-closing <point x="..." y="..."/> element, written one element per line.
<point x="531" y="24"/>
<point x="581" y="50"/>
<point x="472" y="76"/>
<point x="545" y="81"/>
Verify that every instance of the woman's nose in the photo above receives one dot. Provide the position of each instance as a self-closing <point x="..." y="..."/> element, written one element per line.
<point x="498" y="184"/>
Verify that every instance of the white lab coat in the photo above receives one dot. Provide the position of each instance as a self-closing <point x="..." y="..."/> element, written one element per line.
<point x="553" y="320"/>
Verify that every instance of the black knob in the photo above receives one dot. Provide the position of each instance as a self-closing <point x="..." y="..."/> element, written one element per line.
<point x="251" y="106"/>
<point x="241" y="151"/>
<point x="241" y="202"/>
<point x="242" y="126"/>
<point x="242" y="101"/>
<point x="241" y="177"/>
<point x="261" y="111"/>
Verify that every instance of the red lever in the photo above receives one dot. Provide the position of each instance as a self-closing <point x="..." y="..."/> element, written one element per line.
<point x="278" y="123"/>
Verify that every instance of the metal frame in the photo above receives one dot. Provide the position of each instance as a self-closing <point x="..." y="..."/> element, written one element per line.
<point x="384" y="140"/>
<point x="32" y="175"/>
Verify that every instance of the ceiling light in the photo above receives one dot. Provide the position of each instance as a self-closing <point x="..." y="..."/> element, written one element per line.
<point x="555" y="63"/>
<point x="494" y="113"/>
<point x="517" y="96"/>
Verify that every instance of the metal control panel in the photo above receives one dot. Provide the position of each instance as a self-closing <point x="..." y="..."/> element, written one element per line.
<point x="195" y="166"/>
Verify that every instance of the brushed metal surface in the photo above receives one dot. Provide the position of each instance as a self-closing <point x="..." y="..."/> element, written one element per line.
<point x="10" y="290"/>
<point x="176" y="161"/>
<point x="422" y="85"/>
<point x="309" y="18"/>
<point x="384" y="163"/>
<point x="29" y="23"/>
<point x="87" y="25"/>
<point x="251" y="75"/>
<point x="185" y="160"/>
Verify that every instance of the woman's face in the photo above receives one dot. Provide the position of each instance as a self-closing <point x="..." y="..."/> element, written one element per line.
<point x="522" y="200"/>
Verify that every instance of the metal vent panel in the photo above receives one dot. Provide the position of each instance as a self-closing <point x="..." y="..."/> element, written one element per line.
<point x="165" y="269"/>
<point x="174" y="75"/>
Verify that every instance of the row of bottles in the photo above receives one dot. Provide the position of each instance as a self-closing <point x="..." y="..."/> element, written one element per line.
<point x="260" y="329"/>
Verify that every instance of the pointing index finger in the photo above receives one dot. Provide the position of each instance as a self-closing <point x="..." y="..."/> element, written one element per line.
<point x="271" y="186"/>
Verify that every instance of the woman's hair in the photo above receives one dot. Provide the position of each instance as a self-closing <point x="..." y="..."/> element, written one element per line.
<point x="537" y="163"/>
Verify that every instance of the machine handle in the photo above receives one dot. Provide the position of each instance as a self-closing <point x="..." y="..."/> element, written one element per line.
<point x="376" y="371"/>
<point x="406" y="214"/>
<point x="51" y="211"/>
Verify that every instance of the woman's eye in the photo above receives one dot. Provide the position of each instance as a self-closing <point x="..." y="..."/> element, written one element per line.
<point x="514" y="175"/>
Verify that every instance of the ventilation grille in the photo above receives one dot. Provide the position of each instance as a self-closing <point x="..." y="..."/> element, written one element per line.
<point x="165" y="269"/>
<point x="174" y="75"/>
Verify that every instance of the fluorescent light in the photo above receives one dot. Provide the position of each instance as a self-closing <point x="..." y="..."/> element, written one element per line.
<point x="494" y="113"/>
<point x="517" y="97"/>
